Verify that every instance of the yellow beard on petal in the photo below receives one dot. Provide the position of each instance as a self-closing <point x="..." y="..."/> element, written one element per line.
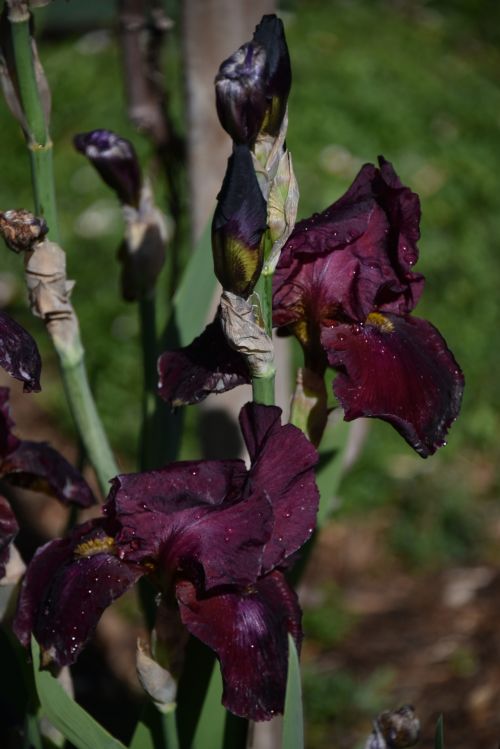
<point x="94" y="546"/>
<point x="380" y="321"/>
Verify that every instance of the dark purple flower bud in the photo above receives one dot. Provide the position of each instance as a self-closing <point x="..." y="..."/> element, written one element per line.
<point x="344" y="286"/>
<point x="37" y="466"/>
<point x="271" y="36"/>
<point x="116" y="161"/>
<point x="208" y="365"/>
<point x="238" y="226"/>
<point x="240" y="93"/>
<point x="20" y="229"/>
<point x="8" y="531"/>
<point x="252" y="85"/>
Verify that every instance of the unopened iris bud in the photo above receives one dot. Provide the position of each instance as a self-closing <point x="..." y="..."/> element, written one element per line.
<point x="252" y="85"/>
<point x="21" y="229"/>
<point x="240" y="93"/>
<point x="270" y="35"/>
<point x="116" y="161"/>
<point x="238" y="226"/>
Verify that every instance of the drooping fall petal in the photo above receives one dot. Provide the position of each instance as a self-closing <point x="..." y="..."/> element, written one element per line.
<point x="68" y="585"/>
<point x="248" y="630"/>
<point x="37" y="466"/>
<point x="208" y="365"/>
<point x="399" y="370"/>
<point x="19" y="354"/>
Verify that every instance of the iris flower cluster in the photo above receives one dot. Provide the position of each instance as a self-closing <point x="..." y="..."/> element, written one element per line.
<point x="216" y="535"/>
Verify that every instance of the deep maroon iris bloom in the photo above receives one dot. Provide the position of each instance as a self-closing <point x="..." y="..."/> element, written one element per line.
<point x="36" y="465"/>
<point x="116" y="161"/>
<point x="345" y="287"/>
<point x="216" y="533"/>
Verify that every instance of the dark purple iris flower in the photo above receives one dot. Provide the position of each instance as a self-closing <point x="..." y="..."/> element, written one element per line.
<point x="36" y="465"/>
<point x="216" y="533"/>
<point x="344" y="285"/>
<point x="116" y="161"/>
<point x="252" y="86"/>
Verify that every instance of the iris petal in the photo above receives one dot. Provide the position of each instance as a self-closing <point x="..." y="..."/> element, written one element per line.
<point x="208" y="365"/>
<point x="248" y="630"/>
<point x="283" y="462"/>
<point x="19" y="354"/>
<point x="398" y="369"/>
<point x="67" y="586"/>
<point x="8" y="531"/>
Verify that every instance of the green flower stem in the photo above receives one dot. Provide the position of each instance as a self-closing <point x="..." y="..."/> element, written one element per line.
<point x="149" y="444"/>
<point x="71" y="354"/>
<point x="263" y="386"/>
<point x="170" y="730"/>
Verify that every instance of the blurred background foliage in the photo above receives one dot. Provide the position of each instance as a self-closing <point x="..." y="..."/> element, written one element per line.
<point x="413" y="80"/>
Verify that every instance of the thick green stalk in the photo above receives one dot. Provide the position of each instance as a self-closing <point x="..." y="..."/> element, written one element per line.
<point x="71" y="353"/>
<point x="263" y="386"/>
<point x="148" y="441"/>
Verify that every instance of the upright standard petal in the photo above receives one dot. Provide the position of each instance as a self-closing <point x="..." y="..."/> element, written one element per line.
<point x="116" y="161"/>
<point x="19" y="354"/>
<point x="282" y="464"/>
<point x="208" y="365"/>
<point x="190" y="516"/>
<point x="8" y="531"/>
<point x="399" y="370"/>
<point x="248" y="630"/>
<point x="68" y="585"/>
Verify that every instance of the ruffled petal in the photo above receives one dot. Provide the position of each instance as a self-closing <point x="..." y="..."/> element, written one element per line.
<point x="19" y="354"/>
<point x="8" y="531"/>
<point x="68" y="584"/>
<point x="208" y="365"/>
<point x="400" y="370"/>
<point x="248" y="630"/>
<point x="354" y="257"/>
<point x="37" y="466"/>
<point x="191" y="516"/>
<point x="282" y="464"/>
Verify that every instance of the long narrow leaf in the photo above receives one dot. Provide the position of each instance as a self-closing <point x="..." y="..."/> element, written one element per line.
<point x="65" y="714"/>
<point x="195" y="292"/>
<point x="210" y="729"/>
<point x="293" y="721"/>
<point x="439" y="735"/>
